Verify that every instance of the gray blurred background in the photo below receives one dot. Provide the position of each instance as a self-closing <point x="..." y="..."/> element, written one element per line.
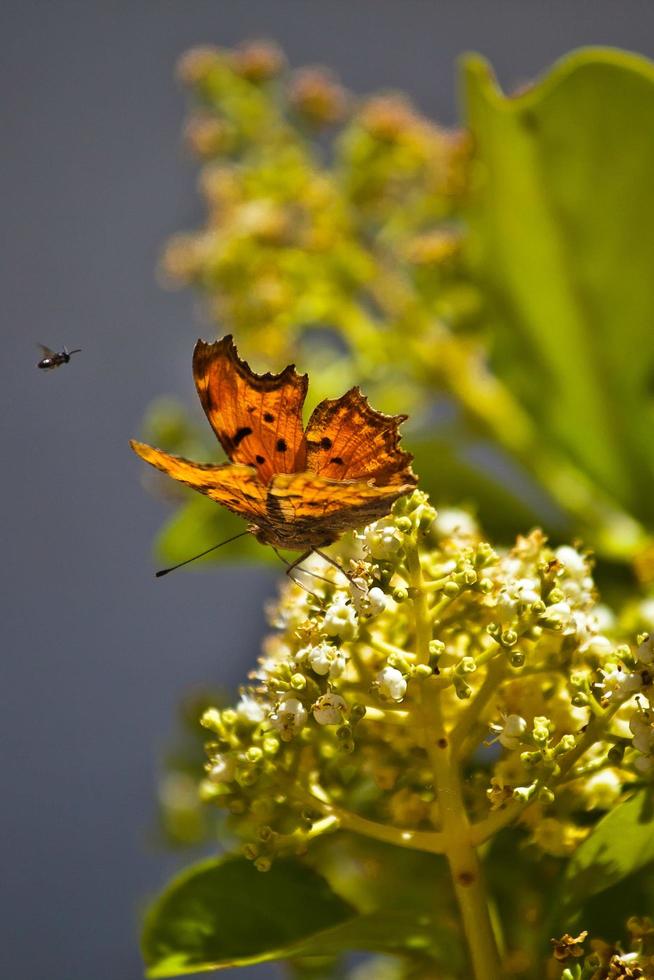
<point x="96" y="653"/>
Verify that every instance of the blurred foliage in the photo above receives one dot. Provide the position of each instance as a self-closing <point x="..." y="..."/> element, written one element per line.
<point x="493" y="282"/>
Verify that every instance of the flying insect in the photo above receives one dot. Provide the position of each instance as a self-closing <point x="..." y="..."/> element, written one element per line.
<point x="51" y="359"/>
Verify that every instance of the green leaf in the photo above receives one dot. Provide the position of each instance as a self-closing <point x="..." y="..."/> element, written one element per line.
<point x="223" y="912"/>
<point x="562" y="237"/>
<point x="620" y="844"/>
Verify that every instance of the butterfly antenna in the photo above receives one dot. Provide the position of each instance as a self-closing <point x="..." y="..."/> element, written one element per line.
<point x="78" y="350"/>
<point x="164" y="571"/>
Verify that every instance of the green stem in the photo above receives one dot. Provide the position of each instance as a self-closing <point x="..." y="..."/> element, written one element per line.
<point x="461" y="854"/>
<point x="470" y="715"/>
<point x="417" y="840"/>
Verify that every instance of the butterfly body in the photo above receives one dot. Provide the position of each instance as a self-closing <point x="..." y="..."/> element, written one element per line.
<point x="53" y="359"/>
<point x="298" y="488"/>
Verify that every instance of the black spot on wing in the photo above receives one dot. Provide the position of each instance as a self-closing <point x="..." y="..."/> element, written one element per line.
<point x="241" y="433"/>
<point x="268" y="417"/>
<point x="260" y="459"/>
<point x="337" y="460"/>
<point x="281" y="446"/>
<point x="326" y="442"/>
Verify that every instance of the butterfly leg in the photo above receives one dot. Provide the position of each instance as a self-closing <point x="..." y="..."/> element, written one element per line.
<point x="332" y="561"/>
<point x="291" y="566"/>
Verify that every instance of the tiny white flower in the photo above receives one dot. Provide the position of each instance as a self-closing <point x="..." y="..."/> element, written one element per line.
<point x="509" y="734"/>
<point x="527" y="590"/>
<point x="574" y="563"/>
<point x="391" y="683"/>
<point x="454" y="523"/>
<point x="329" y="709"/>
<point x="321" y="658"/>
<point x="376" y="601"/>
<point x="561" y="613"/>
<point x="290" y="717"/>
<point x="338" y="664"/>
<point x="617" y="681"/>
<point x="382" y="541"/>
<point x="341" y="618"/>
<point x="250" y="710"/>
<point x="368" y="602"/>
<point x="222" y="769"/>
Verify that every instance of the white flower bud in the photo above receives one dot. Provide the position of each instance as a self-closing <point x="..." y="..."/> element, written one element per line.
<point x="391" y="683"/>
<point x="329" y="709"/>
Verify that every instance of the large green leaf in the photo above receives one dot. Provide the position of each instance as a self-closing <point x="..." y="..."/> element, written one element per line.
<point x="621" y="844"/>
<point x="223" y="912"/>
<point x="562" y="237"/>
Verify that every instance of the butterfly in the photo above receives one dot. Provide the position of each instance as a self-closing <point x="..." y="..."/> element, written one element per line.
<point x="298" y="488"/>
<point x="51" y="359"/>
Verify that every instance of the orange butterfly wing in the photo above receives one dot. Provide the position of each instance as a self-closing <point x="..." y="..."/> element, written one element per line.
<point x="347" y="439"/>
<point x="234" y="486"/>
<point x="305" y="511"/>
<point x="257" y="417"/>
<point x="299" y="491"/>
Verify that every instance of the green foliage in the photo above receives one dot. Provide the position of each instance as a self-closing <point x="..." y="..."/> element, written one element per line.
<point x="373" y="247"/>
<point x="562" y="238"/>
<point x="495" y="284"/>
<point x="224" y="912"/>
<point x="620" y="844"/>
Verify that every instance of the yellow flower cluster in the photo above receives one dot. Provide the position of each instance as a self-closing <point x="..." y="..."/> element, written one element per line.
<point x="421" y="635"/>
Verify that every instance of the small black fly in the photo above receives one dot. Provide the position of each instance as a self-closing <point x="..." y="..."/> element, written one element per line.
<point x="51" y="359"/>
